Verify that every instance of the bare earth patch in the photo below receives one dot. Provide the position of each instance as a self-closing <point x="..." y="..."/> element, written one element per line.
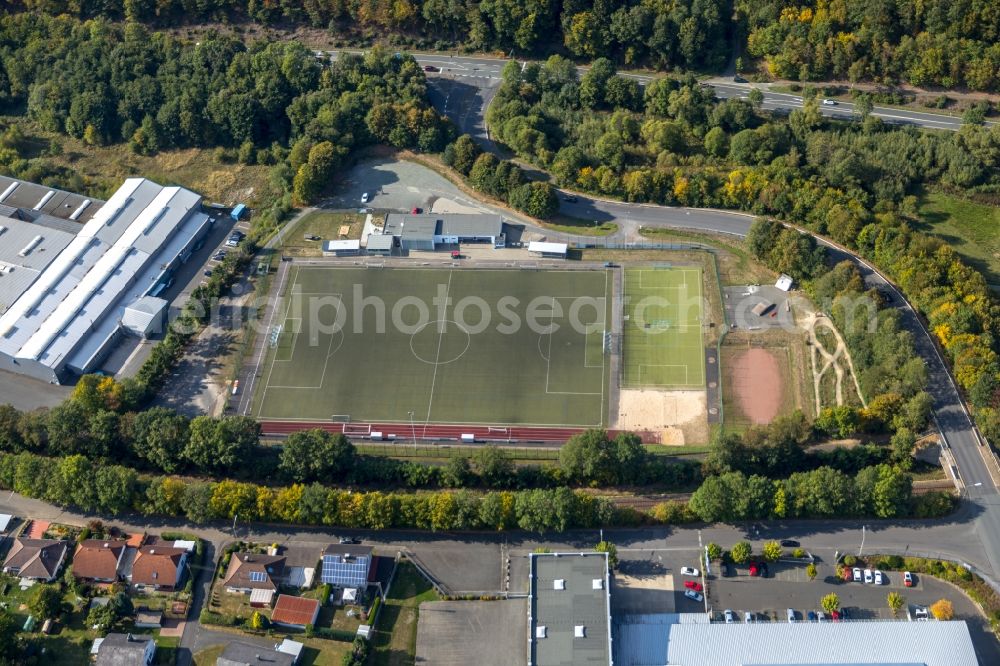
<point x="756" y="380"/>
<point x="681" y="417"/>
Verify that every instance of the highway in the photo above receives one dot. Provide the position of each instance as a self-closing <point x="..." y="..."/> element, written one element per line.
<point x="484" y="73"/>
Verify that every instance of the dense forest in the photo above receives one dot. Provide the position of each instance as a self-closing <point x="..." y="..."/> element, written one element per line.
<point x="948" y="43"/>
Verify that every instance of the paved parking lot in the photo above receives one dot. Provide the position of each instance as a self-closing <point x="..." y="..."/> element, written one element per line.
<point x="789" y="587"/>
<point x="739" y="301"/>
<point x="456" y="633"/>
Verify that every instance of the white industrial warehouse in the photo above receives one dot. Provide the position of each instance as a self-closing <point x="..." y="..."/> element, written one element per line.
<point x="76" y="274"/>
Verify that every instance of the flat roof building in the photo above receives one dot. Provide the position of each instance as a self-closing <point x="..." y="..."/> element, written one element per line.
<point x="67" y="318"/>
<point x="673" y="640"/>
<point x="380" y="244"/>
<point x="427" y="231"/>
<point x="341" y="248"/>
<point x="569" y="609"/>
<point x="548" y="250"/>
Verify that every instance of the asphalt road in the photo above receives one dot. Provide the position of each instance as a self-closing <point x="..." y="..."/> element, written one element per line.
<point x="484" y="73"/>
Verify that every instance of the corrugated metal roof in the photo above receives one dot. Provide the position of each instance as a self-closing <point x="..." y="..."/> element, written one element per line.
<point x="783" y="644"/>
<point x="379" y="242"/>
<point x="22" y="194"/>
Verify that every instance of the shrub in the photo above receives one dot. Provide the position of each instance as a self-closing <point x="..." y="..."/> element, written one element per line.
<point x="741" y="552"/>
<point x="714" y="551"/>
<point x="799" y="553"/>
<point x="850" y="560"/>
<point x="942" y="609"/>
<point x="771" y="551"/>
<point x="811" y="571"/>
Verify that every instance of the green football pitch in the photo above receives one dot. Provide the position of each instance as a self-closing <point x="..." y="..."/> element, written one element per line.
<point x="438" y="346"/>
<point x="662" y="346"/>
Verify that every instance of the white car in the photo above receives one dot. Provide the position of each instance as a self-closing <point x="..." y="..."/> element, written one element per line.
<point x="820" y="616"/>
<point x="857" y="574"/>
<point x="730" y="617"/>
<point x="690" y="571"/>
<point x="868" y="576"/>
<point x="693" y="596"/>
<point x="829" y="102"/>
<point x="878" y="577"/>
<point x="366" y="197"/>
<point x="748" y="617"/>
<point x="791" y="616"/>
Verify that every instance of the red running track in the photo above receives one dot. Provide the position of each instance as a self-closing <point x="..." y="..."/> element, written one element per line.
<point x="403" y="431"/>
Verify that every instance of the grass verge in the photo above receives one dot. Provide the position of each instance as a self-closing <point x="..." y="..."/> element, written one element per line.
<point x="969" y="227"/>
<point x="395" y="641"/>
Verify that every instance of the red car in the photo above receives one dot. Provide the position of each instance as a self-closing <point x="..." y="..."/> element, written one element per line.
<point x="754" y="571"/>
<point x="835" y="615"/>
<point x="693" y="585"/>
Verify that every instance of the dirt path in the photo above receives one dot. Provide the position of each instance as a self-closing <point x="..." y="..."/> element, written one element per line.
<point x="810" y="322"/>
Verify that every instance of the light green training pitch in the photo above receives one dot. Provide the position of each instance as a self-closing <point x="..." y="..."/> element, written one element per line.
<point x="662" y="346"/>
<point x="446" y="371"/>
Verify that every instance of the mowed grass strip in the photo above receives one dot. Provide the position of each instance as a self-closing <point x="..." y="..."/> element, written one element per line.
<point x="662" y="346"/>
<point x="440" y="346"/>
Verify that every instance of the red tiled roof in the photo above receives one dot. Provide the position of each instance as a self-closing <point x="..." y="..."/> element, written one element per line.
<point x="135" y="540"/>
<point x="97" y="559"/>
<point x="295" y="610"/>
<point x="156" y="565"/>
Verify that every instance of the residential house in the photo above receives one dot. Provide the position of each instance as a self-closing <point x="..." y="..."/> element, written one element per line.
<point x="239" y="653"/>
<point x="37" y="559"/>
<point x="98" y="560"/>
<point x="347" y="565"/>
<point x="254" y="571"/>
<point x="158" y="568"/>
<point x="294" y="612"/>
<point x="125" y="650"/>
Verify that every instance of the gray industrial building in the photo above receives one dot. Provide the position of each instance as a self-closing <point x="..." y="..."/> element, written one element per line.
<point x="71" y="269"/>
<point x="569" y="609"/>
<point x="690" y="639"/>
<point x="427" y="231"/>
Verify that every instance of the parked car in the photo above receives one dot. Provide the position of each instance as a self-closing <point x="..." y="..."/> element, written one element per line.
<point x="350" y="540"/>
<point x="569" y="198"/>
<point x="431" y="68"/>
<point x="836" y="615"/>
<point x="312" y="237"/>
<point x="789" y="543"/>
<point x="878" y="577"/>
<point x="868" y="576"/>
<point x="842" y="614"/>
<point x="811" y="616"/>
<point x="729" y="616"/>
<point x="207" y="273"/>
<point x="820" y="616"/>
<point x="416" y="210"/>
<point x="754" y="569"/>
<point x="219" y="255"/>
<point x="920" y="613"/>
<point x="748" y="617"/>
<point x="764" y="570"/>
<point x="907" y="579"/>
<point x="829" y="102"/>
<point x="693" y="596"/>
<point x="857" y="574"/>
<point x="693" y="585"/>
<point x="366" y="197"/>
<point x="791" y="616"/>
<point x="690" y="571"/>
